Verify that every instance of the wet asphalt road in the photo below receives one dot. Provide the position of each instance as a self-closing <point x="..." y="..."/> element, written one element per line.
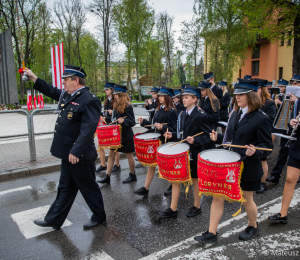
<point x="133" y="229"/>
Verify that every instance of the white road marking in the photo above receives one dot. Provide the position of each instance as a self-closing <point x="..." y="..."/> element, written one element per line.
<point x="14" y="190"/>
<point x="99" y="255"/>
<point x="264" y="210"/>
<point x="25" y="220"/>
<point x="272" y="245"/>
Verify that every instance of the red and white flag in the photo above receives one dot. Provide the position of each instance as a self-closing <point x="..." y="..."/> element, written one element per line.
<point x="34" y="99"/>
<point x="42" y="101"/>
<point x="29" y="100"/>
<point x="57" y="64"/>
<point x="39" y="100"/>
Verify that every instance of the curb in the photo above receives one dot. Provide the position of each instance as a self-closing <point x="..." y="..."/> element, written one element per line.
<point x="38" y="169"/>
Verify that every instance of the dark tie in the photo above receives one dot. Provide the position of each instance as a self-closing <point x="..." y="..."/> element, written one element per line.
<point x="187" y="116"/>
<point x="238" y="117"/>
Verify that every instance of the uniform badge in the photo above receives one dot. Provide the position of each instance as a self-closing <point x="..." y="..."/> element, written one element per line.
<point x="78" y="93"/>
<point x="70" y="115"/>
<point x="177" y="165"/>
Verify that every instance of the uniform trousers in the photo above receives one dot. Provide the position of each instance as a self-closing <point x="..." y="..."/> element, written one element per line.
<point x="74" y="177"/>
<point x="282" y="158"/>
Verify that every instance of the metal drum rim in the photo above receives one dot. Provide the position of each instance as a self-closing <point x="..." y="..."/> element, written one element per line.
<point x="210" y="150"/>
<point x="151" y="138"/>
<point x="174" y="145"/>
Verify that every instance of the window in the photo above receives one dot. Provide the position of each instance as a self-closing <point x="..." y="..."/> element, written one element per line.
<point x="256" y="52"/>
<point x="289" y="40"/>
<point x="280" y="72"/>
<point x="255" y="68"/>
<point x="134" y="72"/>
<point x="282" y="40"/>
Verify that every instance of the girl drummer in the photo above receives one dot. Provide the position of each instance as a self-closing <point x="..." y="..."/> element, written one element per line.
<point x="177" y="99"/>
<point x="193" y="122"/>
<point x="106" y="117"/>
<point x="250" y="127"/>
<point x="224" y="103"/>
<point x="209" y="103"/>
<point x="293" y="164"/>
<point x="269" y="107"/>
<point x="122" y="108"/>
<point x="165" y="113"/>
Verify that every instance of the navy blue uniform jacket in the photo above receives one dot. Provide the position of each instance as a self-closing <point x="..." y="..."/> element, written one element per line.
<point x="76" y="124"/>
<point x="255" y="129"/>
<point x="196" y="123"/>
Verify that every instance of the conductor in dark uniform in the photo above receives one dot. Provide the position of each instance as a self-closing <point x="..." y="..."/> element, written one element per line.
<point x="218" y="92"/>
<point x="79" y="113"/>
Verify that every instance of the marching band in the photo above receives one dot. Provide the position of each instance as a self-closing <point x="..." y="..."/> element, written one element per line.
<point x="188" y="116"/>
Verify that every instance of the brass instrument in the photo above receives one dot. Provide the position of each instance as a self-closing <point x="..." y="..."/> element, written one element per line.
<point x="294" y="130"/>
<point x="283" y="116"/>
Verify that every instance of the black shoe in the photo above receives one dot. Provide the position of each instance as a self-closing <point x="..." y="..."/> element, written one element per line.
<point x="91" y="224"/>
<point x="249" y="233"/>
<point x="168" y="191"/>
<point x="277" y="219"/>
<point x="142" y="192"/>
<point x="207" y="237"/>
<point x="168" y="213"/>
<point x="101" y="168"/>
<point x="106" y="179"/>
<point x="262" y="189"/>
<point x="43" y="223"/>
<point x="116" y="168"/>
<point x="131" y="178"/>
<point x="194" y="211"/>
<point x="273" y="179"/>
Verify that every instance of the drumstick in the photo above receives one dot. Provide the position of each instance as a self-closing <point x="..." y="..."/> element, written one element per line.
<point x="117" y="120"/>
<point x="154" y="125"/>
<point x="213" y="131"/>
<point x="185" y="139"/>
<point x="241" y="146"/>
<point x="166" y="135"/>
<point x="103" y="120"/>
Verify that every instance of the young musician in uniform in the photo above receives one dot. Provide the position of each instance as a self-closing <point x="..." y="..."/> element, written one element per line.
<point x="177" y="100"/>
<point x="268" y="106"/>
<point x="269" y="86"/>
<point x="122" y="108"/>
<point x="224" y="103"/>
<point x="165" y="113"/>
<point x="152" y="103"/>
<point x="209" y="77"/>
<point x="284" y="151"/>
<point x="209" y="104"/>
<point x="293" y="164"/>
<point x="193" y="122"/>
<point x="106" y="116"/>
<point x="248" y="126"/>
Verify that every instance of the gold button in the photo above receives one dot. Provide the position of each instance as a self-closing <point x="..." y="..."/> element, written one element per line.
<point x="55" y="131"/>
<point x="56" y="123"/>
<point x="63" y="109"/>
<point x="59" y="116"/>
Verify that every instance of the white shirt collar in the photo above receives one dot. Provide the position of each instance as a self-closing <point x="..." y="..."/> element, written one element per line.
<point x="212" y="86"/>
<point x="109" y="98"/>
<point x="76" y="91"/>
<point x="190" y="111"/>
<point x="161" y="106"/>
<point x="205" y="97"/>
<point x="245" y="110"/>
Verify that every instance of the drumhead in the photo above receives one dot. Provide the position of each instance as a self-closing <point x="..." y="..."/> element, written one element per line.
<point x="148" y="136"/>
<point x="285" y="136"/>
<point x="176" y="149"/>
<point x="220" y="156"/>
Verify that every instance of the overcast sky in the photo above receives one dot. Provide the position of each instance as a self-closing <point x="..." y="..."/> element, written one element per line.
<point x="179" y="9"/>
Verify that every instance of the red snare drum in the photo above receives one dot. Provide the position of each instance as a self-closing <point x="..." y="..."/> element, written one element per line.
<point x="219" y="173"/>
<point x="109" y="136"/>
<point x="146" y="148"/>
<point x="173" y="163"/>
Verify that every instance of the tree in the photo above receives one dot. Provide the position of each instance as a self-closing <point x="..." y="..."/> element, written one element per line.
<point x="166" y="35"/>
<point x="28" y="22"/>
<point x="226" y="35"/>
<point x="102" y="9"/>
<point x="192" y="41"/>
<point x="134" y="27"/>
<point x="41" y="44"/>
<point x="276" y="18"/>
